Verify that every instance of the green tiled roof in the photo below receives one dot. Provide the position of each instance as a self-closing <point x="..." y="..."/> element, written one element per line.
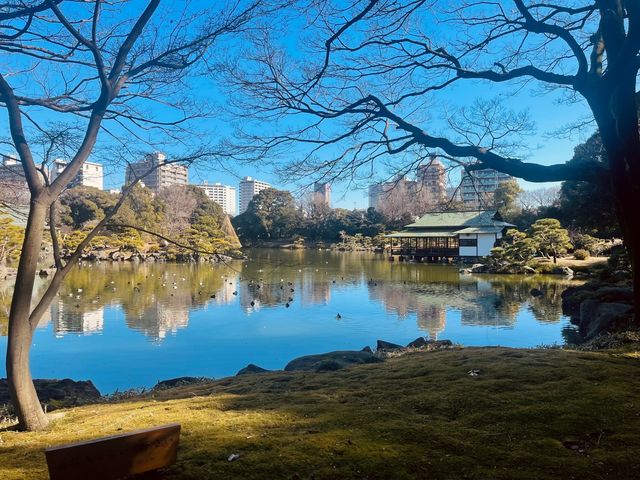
<point x="414" y="234"/>
<point x="458" y="220"/>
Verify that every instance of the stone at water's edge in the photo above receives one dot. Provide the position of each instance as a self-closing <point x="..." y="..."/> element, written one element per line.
<point x="596" y="317"/>
<point x="251" y="368"/>
<point x="331" y="361"/>
<point x="383" y="346"/>
<point x="66" y="390"/>
<point x="424" y="344"/>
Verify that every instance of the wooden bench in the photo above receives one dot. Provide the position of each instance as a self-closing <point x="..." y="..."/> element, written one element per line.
<point x="115" y="457"/>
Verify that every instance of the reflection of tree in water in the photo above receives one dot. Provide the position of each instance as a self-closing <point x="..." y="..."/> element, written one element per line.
<point x="491" y="301"/>
<point x="156" y="299"/>
<point x="5" y="305"/>
<point x="516" y="292"/>
<point x="6" y="291"/>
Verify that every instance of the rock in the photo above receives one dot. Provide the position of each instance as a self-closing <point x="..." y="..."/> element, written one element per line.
<point x="620" y="275"/>
<point x="536" y="293"/>
<point x="479" y="268"/>
<point x="440" y="343"/>
<point x="341" y="359"/>
<point x="614" y="295"/>
<point x="383" y="346"/>
<point x="251" y="369"/>
<point x="417" y="343"/>
<point x="588" y="309"/>
<point x="180" y="382"/>
<point x="367" y="349"/>
<point x="608" y="317"/>
<point x="66" y="391"/>
<point x="527" y="270"/>
<point x="566" y="271"/>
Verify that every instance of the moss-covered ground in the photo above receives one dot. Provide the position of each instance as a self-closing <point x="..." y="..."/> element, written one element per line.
<point x="529" y="414"/>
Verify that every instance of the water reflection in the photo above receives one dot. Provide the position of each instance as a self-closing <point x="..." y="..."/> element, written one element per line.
<point x="158" y="299"/>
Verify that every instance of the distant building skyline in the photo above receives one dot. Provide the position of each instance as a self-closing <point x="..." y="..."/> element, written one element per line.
<point x="478" y="187"/>
<point x="91" y="174"/>
<point x="223" y="195"/>
<point x="248" y="188"/>
<point x="156" y="174"/>
<point x="402" y="195"/>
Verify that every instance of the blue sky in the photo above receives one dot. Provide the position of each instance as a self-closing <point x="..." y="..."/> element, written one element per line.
<point x="545" y="147"/>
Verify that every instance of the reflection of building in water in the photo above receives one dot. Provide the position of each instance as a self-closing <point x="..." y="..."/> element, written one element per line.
<point x="314" y="290"/>
<point x="403" y="300"/>
<point x="224" y="295"/>
<point x="432" y="319"/>
<point x="71" y="319"/>
<point x="160" y="319"/>
<point x="477" y="301"/>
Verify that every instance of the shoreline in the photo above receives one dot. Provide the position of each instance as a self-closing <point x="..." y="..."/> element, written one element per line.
<point x="523" y="413"/>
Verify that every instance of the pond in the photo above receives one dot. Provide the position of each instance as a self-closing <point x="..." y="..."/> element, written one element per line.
<point x="128" y="325"/>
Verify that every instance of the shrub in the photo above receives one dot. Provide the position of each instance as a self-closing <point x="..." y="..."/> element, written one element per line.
<point x="581" y="254"/>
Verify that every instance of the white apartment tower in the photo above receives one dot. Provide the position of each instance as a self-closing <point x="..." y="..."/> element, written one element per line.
<point x="156" y="174"/>
<point x="250" y="187"/>
<point x="478" y="187"/>
<point x="223" y="195"/>
<point x="91" y="175"/>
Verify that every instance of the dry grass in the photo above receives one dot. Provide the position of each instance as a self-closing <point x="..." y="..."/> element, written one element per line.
<point x="571" y="262"/>
<point x="417" y="416"/>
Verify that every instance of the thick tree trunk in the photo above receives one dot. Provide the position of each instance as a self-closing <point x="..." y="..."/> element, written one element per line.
<point x="21" y="388"/>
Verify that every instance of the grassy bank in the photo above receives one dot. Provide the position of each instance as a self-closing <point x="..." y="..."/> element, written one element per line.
<point x="529" y="414"/>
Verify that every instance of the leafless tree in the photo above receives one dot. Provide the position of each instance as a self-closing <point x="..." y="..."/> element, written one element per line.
<point x="375" y="72"/>
<point x="120" y="70"/>
<point x="538" y="197"/>
<point x="179" y="204"/>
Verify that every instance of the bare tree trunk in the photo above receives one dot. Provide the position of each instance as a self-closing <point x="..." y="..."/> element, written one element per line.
<point x="21" y="388"/>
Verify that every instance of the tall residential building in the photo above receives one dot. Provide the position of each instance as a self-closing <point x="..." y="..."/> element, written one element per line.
<point x="478" y="187"/>
<point x="13" y="186"/>
<point x="223" y="195"/>
<point x="432" y="181"/>
<point x="322" y="192"/>
<point x="156" y="174"/>
<point x="402" y="196"/>
<point x="91" y="175"/>
<point x="250" y="187"/>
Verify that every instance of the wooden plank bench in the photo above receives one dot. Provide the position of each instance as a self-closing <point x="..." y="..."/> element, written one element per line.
<point x="115" y="457"/>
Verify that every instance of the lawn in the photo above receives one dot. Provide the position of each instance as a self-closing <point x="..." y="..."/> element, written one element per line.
<point x="529" y="414"/>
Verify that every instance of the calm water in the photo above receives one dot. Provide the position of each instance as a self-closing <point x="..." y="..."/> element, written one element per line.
<point x="125" y="325"/>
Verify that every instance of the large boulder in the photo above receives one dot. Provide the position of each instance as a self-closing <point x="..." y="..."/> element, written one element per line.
<point x="597" y="317"/>
<point x="566" y="271"/>
<point x="66" y="391"/>
<point x="573" y="297"/>
<point x="479" y="268"/>
<point x="424" y="344"/>
<point x="607" y="317"/>
<point x="383" y="346"/>
<point x="331" y="361"/>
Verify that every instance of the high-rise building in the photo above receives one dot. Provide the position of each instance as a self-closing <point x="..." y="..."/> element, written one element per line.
<point x="432" y="182"/>
<point x="91" y="174"/>
<point x="156" y="173"/>
<point x="13" y="186"/>
<point x="250" y="187"/>
<point x="478" y="187"/>
<point x="322" y="193"/>
<point x="223" y="195"/>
